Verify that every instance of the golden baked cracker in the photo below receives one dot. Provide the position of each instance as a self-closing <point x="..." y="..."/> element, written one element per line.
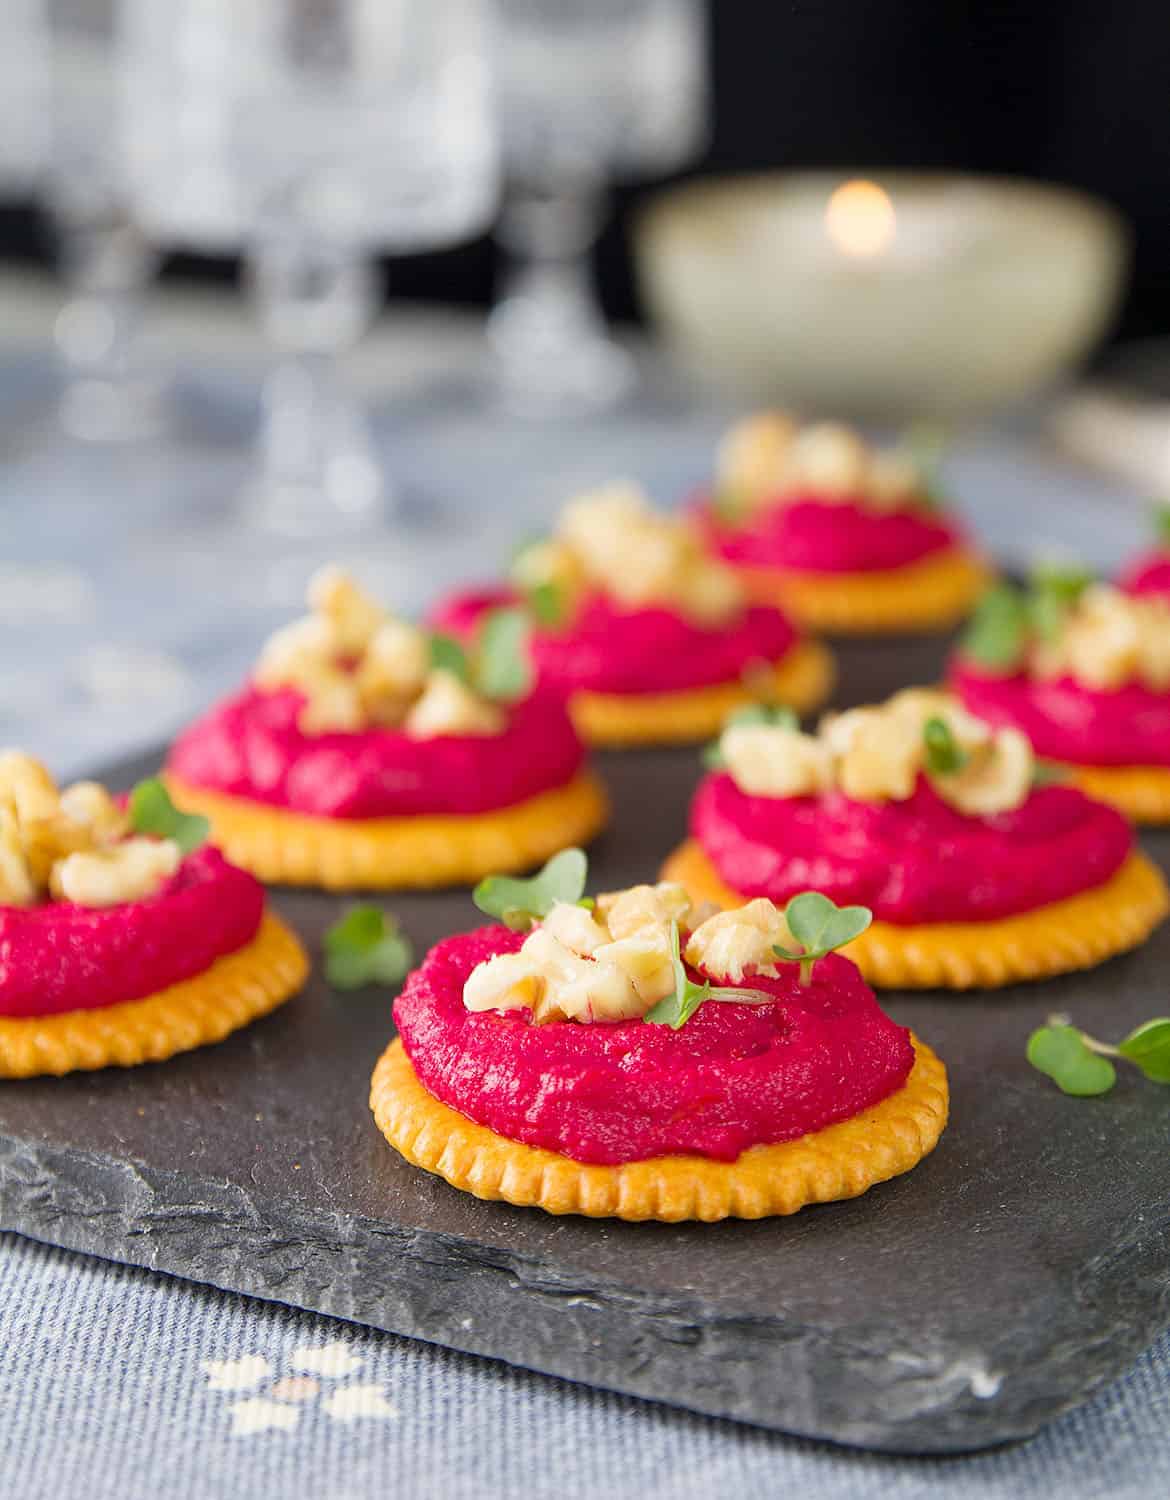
<point x="1076" y="933"/>
<point x="802" y="679"/>
<point x="1142" y="793"/>
<point x="840" y="1161"/>
<point x="934" y="593"/>
<point x="236" y="989"/>
<point x="402" y="853"/>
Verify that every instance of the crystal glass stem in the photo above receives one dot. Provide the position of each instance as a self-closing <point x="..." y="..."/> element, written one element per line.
<point x="106" y="266"/>
<point x="547" y="329"/>
<point x="318" y="471"/>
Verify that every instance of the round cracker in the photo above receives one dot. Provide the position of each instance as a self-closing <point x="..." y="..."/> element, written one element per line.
<point x="236" y="989"/>
<point x="404" y="853"/>
<point x="932" y="594"/>
<point x="802" y="680"/>
<point x="1077" y="933"/>
<point x="840" y="1161"/>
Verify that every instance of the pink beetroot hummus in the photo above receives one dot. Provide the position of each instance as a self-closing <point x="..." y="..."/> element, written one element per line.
<point x="734" y="1076"/>
<point x="61" y="957"/>
<point x="913" y="861"/>
<point x="1129" y="726"/>
<point x="250" y="746"/>
<point x="608" y="649"/>
<point x="1148" y="574"/>
<point x="811" y="536"/>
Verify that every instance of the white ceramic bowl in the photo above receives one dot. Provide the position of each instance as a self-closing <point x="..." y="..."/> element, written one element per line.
<point x="988" y="290"/>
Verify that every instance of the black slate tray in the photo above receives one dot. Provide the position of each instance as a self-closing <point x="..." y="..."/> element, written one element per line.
<point x="1015" y="1270"/>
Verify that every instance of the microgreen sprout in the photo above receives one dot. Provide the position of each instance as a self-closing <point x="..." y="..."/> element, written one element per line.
<point x="997" y="636"/>
<point x="677" y="1008"/>
<point x="497" y="665"/>
<point x="944" y="755"/>
<point x="820" y="927"/>
<point x="153" y="812"/>
<point x="774" y="715"/>
<point x="366" y="946"/>
<point x="1080" y="1065"/>
<point x="520" y="904"/>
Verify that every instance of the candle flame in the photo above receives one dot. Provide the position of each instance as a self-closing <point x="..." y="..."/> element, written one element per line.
<point x="859" y="219"/>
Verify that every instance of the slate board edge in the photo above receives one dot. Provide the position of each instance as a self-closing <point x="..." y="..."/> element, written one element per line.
<point x="783" y="1377"/>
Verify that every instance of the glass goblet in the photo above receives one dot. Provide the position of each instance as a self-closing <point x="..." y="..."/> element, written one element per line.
<point x="310" y="133"/>
<point x="612" y="88"/>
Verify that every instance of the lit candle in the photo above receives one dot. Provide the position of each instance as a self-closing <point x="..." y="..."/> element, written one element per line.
<point x="860" y="219"/>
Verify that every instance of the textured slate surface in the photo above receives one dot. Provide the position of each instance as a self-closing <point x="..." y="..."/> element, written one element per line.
<point x="1016" y="1269"/>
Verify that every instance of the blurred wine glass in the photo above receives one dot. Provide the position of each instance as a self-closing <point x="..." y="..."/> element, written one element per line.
<point x="24" y="97"/>
<point x="612" y="88"/>
<point x="312" y="133"/>
<point x="105" y="262"/>
<point x="57" y="138"/>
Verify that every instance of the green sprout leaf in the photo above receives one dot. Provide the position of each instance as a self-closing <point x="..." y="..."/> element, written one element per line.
<point x="997" y="636"/>
<point x="944" y="755"/>
<point x="1148" y="1047"/>
<point x="448" y="655"/>
<point x="1054" y="592"/>
<point x="548" y="604"/>
<point x="1062" y="1053"/>
<point x="366" y="946"/>
<point x="520" y="904"/>
<point x="775" y="715"/>
<point x="677" y="1008"/>
<point x="1162" y="524"/>
<point x="820" y="927"/>
<point x="684" y="1000"/>
<point x="153" y="812"/>
<point x="503" y="669"/>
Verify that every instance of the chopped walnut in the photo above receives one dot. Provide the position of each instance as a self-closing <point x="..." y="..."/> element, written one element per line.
<point x="358" y="668"/>
<point x="767" y="760"/>
<point x="89" y="804"/>
<point x="769" y="459"/>
<point x="629" y="911"/>
<point x="611" y="964"/>
<point x="352" y="616"/>
<point x="752" y="457"/>
<point x="576" y="928"/>
<point x="127" y="871"/>
<point x="828" y="460"/>
<point x="996" y="778"/>
<point x="730" y="943"/>
<point x="392" y="673"/>
<point x="448" y="706"/>
<point x="641" y="558"/>
<point x="646" y="959"/>
<point x="27" y="785"/>
<point x="883" y="761"/>
<point x="17" y="886"/>
<point x="71" y="844"/>
<point x="876" y="754"/>
<point x="1110" y="638"/>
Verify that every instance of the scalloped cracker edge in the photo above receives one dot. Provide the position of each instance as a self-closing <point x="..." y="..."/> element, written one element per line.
<point x="840" y="1161"/>
<point x="933" y="594"/>
<point x="404" y="853"/>
<point x="802" y="680"/>
<point x="1142" y="793"/>
<point x="236" y="989"/>
<point x="1077" y="933"/>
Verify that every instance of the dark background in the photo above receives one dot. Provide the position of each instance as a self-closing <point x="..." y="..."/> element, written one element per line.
<point x="1077" y="92"/>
